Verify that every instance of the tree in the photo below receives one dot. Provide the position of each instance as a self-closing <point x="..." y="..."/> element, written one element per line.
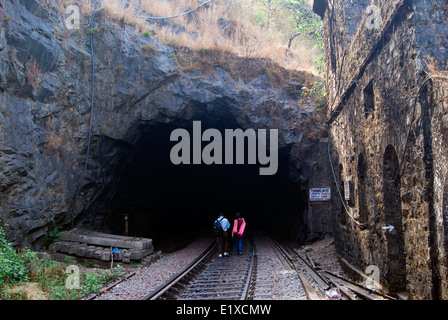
<point x="293" y="19"/>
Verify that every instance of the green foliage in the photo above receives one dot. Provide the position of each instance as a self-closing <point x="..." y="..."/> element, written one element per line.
<point x="291" y="17"/>
<point x="16" y="295"/>
<point x="60" y="292"/>
<point x="147" y="33"/>
<point x="91" y="31"/>
<point x="315" y="95"/>
<point x="13" y="265"/>
<point x="308" y="25"/>
<point x="53" y="235"/>
<point x="319" y="93"/>
<point x="48" y="273"/>
<point x="94" y="282"/>
<point x="19" y="267"/>
<point x="320" y="64"/>
<point x="288" y="17"/>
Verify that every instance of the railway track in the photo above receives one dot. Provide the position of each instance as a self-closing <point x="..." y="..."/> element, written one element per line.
<point x="209" y="277"/>
<point x="325" y="285"/>
<point x="250" y="276"/>
<point x="313" y="283"/>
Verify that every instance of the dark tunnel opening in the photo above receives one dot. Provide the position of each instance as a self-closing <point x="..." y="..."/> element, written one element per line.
<point x="172" y="204"/>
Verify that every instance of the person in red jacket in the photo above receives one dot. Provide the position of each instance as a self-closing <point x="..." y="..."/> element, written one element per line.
<point x="238" y="232"/>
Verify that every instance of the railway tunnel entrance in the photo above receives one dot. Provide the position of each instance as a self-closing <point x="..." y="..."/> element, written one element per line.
<point x="172" y="204"/>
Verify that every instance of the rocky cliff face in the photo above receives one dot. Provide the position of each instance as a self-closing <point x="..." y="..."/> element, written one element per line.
<point x="45" y="110"/>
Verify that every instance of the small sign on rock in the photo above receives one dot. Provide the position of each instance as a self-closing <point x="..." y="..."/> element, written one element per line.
<point x="320" y="194"/>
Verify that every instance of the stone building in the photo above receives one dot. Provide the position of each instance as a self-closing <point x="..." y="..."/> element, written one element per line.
<point x="388" y="120"/>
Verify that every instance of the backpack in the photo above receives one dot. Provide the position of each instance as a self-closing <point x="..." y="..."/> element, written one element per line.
<point x="217" y="227"/>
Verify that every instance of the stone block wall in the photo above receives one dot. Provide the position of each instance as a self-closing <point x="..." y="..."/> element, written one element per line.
<point x="431" y="29"/>
<point x="388" y="141"/>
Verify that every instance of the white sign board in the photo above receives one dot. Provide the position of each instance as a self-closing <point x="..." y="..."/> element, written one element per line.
<point x="320" y="194"/>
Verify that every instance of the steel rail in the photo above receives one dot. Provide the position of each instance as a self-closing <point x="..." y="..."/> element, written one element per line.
<point x="212" y="287"/>
<point x="325" y="280"/>
<point x="321" y="281"/>
<point x="360" y="290"/>
<point x="237" y="288"/>
<point x="251" y="277"/>
<point x="311" y="292"/>
<point x="225" y="278"/>
<point x="162" y="289"/>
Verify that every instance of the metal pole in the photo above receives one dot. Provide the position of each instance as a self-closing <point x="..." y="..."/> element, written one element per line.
<point x="126" y="224"/>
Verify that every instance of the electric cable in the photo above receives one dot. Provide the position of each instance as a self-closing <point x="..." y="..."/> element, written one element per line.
<point x="92" y="49"/>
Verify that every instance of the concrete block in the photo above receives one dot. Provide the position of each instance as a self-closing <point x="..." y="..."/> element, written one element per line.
<point x="97" y="254"/>
<point x="80" y="252"/>
<point x="65" y="246"/>
<point x="73" y="248"/>
<point x="105" y="255"/>
<point x="118" y="256"/>
<point x="140" y="254"/>
<point x="127" y="256"/>
<point x="106" y="240"/>
<point x="89" y="252"/>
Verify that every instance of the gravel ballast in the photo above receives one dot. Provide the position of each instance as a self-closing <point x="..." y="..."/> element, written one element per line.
<point x="279" y="282"/>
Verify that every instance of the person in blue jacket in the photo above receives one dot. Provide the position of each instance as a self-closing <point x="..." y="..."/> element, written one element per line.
<point x="223" y="238"/>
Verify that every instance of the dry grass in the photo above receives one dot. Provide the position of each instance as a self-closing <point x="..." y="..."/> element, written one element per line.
<point x="440" y="73"/>
<point x="245" y="69"/>
<point x="33" y="74"/>
<point x="436" y="71"/>
<point x="53" y="140"/>
<point x="240" y="35"/>
<point x="26" y="291"/>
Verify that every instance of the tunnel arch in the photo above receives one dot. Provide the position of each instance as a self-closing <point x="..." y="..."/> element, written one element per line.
<point x="342" y="213"/>
<point x="362" y="189"/>
<point x="173" y="203"/>
<point x="396" y="257"/>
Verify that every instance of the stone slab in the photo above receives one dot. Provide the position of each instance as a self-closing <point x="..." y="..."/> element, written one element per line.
<point x="118" y="256"/>
<point x="89" y="252"/>
<point x="74" y="248"/>
<point x="127" y="257"/>
<point x="105" y="255"/>
<point x="81" y="251"/>
<point x="104" y="264"/>
<point x="139" y="254"/>
<point x="90" y="246"/>
<point x="106" y="240"/>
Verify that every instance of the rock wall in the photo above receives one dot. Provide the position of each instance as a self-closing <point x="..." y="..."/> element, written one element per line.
<point x="45" y="110"/>
<point x="387" y="152"/>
